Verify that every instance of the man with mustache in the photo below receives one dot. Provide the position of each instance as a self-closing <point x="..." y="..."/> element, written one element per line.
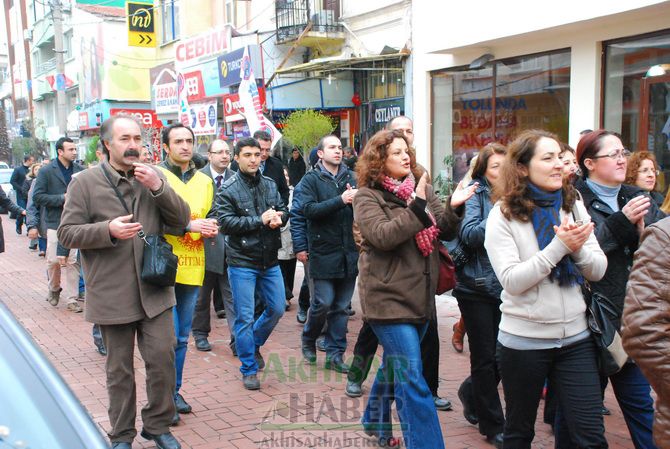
<point x="197" y="190"/>
<point x="105" y="228"/>
<point x="49" y="195"/>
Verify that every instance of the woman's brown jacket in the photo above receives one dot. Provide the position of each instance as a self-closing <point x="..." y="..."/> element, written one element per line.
<point x="646" y="320"/>
<point x="396" y="283"/>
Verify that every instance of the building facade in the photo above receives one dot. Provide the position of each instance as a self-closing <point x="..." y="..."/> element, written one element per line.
<point x="597" y="64"/>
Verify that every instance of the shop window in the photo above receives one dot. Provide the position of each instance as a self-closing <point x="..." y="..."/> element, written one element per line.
<point x="521" y="93"/>
<point x="170" y="20"/>
<point x="388" y="82"/>
<point x="637" y="95"/>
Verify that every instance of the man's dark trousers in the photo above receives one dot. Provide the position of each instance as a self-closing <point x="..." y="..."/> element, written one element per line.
<point x="156" y="341"/>
<point x="201" y="319"/>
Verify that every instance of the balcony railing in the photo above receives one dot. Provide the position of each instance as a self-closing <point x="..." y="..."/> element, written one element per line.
<point x="293" y="15"/>
<point x="47" y="66"/>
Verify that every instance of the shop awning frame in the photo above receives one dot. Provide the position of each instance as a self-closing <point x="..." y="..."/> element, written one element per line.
<point x="336" y="63"/>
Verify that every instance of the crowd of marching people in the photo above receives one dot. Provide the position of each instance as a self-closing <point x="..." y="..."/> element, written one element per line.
<point x="538" y="232"/>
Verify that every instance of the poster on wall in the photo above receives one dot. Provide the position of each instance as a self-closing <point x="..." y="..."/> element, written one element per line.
<point x="201" y="118"/>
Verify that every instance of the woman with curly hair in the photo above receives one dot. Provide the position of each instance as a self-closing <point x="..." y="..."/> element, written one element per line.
<point x="641" y="172"/>
<point x="540" y="241"/>
<point x="400" y="220"/>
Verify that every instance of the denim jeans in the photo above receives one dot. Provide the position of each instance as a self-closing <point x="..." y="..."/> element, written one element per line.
<point x="633" y="394"/>
<point x="573" y="371"/>
<point x="400" y="378"/>
<point x="42" y="244"/>
<point x="187" y="296"/>
<point x="250" y="334"/>
<point x="330" y="302"/>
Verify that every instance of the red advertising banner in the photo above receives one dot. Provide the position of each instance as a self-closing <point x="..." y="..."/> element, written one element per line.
<point x="231" y="106"/>
<point x="147" y="117"/>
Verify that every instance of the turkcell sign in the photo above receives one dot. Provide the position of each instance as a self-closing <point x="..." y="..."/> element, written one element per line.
<point x="203" y="46"/>
<point x="229" y="67"/>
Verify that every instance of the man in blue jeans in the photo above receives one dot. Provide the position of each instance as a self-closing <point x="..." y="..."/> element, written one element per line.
<point x="327" y="194"/>
<point x="197" y="190"/>
<point x="250" y="212"/>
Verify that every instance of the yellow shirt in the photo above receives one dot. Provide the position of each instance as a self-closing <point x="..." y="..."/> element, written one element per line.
<point x="198" y="193"/>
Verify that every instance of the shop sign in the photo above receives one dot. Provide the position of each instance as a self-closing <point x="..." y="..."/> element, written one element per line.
<point x="232" y="111"/>
<point x="195" y="89"/>
<point x="83" y="120"/>
<point x="165" y="98"/>
<point x="203" y="46"/>
<point x="385" y="112"/>
<point x="147" y="117"/>
<point x="229" y="67"/>
<point x="201" y="118"/>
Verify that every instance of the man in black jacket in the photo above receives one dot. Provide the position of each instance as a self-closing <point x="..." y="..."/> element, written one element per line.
<point x="49" y="195"/>
<point x="18" y="178"/>
<point x="328" y="192"/>
<point x="251" y="212"/>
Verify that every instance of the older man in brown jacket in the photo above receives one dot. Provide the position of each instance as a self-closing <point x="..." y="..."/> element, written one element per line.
<point x="95" y="220"/>
<point x="645" y="330"/>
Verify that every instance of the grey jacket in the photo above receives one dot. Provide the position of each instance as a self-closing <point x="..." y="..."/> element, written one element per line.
<point x="215" y="249"/>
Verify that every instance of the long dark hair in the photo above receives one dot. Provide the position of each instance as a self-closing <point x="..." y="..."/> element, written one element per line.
<point x="515" y="197"/>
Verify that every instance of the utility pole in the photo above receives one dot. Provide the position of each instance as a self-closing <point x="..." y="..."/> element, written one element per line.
<point x="61" y="97"/>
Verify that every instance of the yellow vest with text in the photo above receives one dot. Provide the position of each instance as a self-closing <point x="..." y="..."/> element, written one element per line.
<point x="198" y="193"/>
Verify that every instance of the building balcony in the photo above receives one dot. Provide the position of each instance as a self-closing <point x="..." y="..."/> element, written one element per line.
<point x="326" y="34"/>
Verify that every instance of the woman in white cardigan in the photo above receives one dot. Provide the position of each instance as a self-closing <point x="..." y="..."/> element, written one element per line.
<point x="540" y="241"/>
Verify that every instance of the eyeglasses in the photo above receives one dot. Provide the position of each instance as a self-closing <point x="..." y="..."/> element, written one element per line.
<point x="646" y="171"/>
<point x="614" y="155"/>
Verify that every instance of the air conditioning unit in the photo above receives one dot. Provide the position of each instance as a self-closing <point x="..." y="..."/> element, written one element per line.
<point x="28" y="34"/>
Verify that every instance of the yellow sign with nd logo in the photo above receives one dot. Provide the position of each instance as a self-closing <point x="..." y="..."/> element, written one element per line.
<point x="141" y="29"/>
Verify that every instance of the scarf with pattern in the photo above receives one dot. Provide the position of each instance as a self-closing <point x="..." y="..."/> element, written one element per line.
<point x="425" y="238"/>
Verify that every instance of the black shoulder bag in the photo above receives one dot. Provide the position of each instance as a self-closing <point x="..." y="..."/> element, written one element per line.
<point x="602" y="316"/>
<point x="159" y="263"/>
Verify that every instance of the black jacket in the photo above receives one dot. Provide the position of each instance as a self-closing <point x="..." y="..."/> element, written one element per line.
<point x="617" y="237"/>
<point x="49" y="192"/>
<point x="476" y="280"/>
<point x="8" y="204"/>
<point x="274" y="169"/>
<point x="240" y="202"/>
<point x="296" y="170"/>
<point x="18" y="177"/>
<point x="332" y="250"/>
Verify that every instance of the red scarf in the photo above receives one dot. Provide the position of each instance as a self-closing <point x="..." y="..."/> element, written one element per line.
<point x="425" y="239"/>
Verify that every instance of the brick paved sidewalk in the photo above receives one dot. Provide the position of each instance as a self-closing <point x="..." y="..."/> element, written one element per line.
<point x="296" y="406"/>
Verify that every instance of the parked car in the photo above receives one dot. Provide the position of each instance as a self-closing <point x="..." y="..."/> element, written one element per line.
<point x="38" y="408"/>
<point x="3" y="165"/>
<point x="5" y="175"/>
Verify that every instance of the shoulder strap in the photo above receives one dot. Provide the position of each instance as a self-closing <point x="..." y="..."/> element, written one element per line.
<point x="116" y="190"/>
<point x="140" y="233"/>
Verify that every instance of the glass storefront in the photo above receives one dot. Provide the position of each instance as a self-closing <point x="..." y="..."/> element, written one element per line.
<point x="521" y="93"/>
<point x="637" y="95"/>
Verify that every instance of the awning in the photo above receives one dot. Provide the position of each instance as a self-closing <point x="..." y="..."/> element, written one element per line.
<point x="338" y="63"/>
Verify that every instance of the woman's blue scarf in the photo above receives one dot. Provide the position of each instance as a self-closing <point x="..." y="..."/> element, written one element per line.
<point x="546" y="215"/>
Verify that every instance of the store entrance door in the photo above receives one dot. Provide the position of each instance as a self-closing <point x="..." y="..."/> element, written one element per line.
<point x="655" y="124"/>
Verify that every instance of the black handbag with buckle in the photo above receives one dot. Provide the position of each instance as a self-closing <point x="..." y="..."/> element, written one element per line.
<point x="159" y="263"/>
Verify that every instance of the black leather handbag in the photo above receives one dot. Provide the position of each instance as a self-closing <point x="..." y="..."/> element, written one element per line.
<point x="159" y="263"/>
<point x="601" y="315"/>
